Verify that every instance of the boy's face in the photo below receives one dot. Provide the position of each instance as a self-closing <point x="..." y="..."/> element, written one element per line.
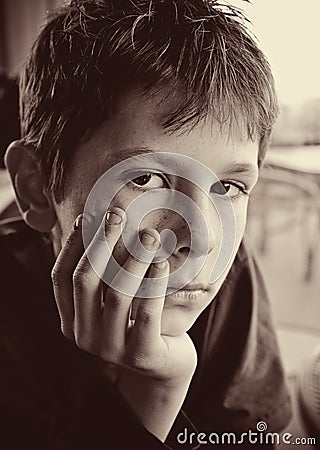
<point x="135" y="128"/>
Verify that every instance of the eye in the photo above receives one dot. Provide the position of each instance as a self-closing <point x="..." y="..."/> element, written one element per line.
<point x="150" y="181"/>
<point x="230" y="189"/>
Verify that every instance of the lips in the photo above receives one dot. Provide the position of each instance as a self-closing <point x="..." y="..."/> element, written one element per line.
<point x="188" y="287"/>
<point x="188" y="298"/>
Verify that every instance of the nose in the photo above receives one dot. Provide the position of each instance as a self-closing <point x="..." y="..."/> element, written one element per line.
<point x="196" y="229"/>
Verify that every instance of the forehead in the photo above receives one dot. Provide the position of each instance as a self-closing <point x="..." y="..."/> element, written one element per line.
<point x="136" y="127"/>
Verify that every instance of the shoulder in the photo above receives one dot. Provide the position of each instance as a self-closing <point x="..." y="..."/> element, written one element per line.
<point x="13" y="238"/>
<point x="24" y="276"/>
<point x="22" y="249"/>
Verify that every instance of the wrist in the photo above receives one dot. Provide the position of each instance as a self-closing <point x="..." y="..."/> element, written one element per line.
<point x="156" y="402"/>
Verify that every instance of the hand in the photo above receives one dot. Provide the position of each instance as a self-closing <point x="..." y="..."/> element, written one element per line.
<point x="98" y="320"/>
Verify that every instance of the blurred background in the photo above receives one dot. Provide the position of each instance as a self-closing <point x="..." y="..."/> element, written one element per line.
<point x="284" y="213"/>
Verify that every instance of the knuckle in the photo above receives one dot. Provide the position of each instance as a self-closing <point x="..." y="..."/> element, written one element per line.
<point x="139" y="362"/>
<point x="114" y="303"/>
<point x="109" y="355"/>
<point x="67" y="331"/>
<point x="84" y="342"/>
<point x="138" y="261"/>
<point x="80" y="277"/>
<point x="55" y="275"/>
<point x="146" y="316"/>
<point x="100" y="238"/>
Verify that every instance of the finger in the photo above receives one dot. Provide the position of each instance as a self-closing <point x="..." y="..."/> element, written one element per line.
<point x="147" y="325"/>
<point x="134" y="307"/>
<point x="87" y="286"/>
<point x="62" y="277"/>
<point x="119" y="297"/>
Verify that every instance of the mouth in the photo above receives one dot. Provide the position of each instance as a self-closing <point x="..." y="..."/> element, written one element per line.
<point x="188" y="288"/>
<point x="191" y="293"/>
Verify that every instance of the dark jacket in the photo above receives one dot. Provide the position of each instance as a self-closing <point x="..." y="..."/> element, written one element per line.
<point x="54" y="397"/>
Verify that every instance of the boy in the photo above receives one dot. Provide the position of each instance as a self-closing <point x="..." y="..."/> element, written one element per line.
<point x="123" y="102"/>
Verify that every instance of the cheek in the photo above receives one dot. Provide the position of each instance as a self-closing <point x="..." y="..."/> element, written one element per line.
<point x="240" y="213"/>
<point x="241" y="219"/>
<point x="135" y="221"/>
<point x="67" y="212"/>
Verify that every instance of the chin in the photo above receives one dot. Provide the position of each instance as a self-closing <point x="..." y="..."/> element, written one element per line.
<point x="177" y="321"/>
<point x="181" y="310"/>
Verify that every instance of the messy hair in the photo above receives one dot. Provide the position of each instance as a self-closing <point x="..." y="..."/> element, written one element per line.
<point x="89" y="51"/>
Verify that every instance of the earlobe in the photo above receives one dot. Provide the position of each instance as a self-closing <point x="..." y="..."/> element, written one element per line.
<point x="33" y="200"/>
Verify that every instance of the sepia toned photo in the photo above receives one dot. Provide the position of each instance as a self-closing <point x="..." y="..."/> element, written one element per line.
<point x="159" y="224"/>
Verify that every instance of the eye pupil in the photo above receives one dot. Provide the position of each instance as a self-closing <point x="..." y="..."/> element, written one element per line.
<point x="226" y="187"/>
<point x="142" y="179"/>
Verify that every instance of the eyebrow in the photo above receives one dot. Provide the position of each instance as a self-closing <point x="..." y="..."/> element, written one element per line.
<point x="247" y="169"/>
<point x="141" y="151"/>
<point x="130" y="152"/>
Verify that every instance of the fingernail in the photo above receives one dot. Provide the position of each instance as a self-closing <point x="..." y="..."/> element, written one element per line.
<point x="148" y="239"/>
<point x="77" y="222"/>
<point x="160" y="265"/>
<point x="112" y="218"/>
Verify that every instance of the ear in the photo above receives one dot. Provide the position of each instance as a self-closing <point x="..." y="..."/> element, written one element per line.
<point x="34" y="202"/>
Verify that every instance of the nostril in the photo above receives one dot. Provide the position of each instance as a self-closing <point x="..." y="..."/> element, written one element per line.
<point x="184" y="251"/>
